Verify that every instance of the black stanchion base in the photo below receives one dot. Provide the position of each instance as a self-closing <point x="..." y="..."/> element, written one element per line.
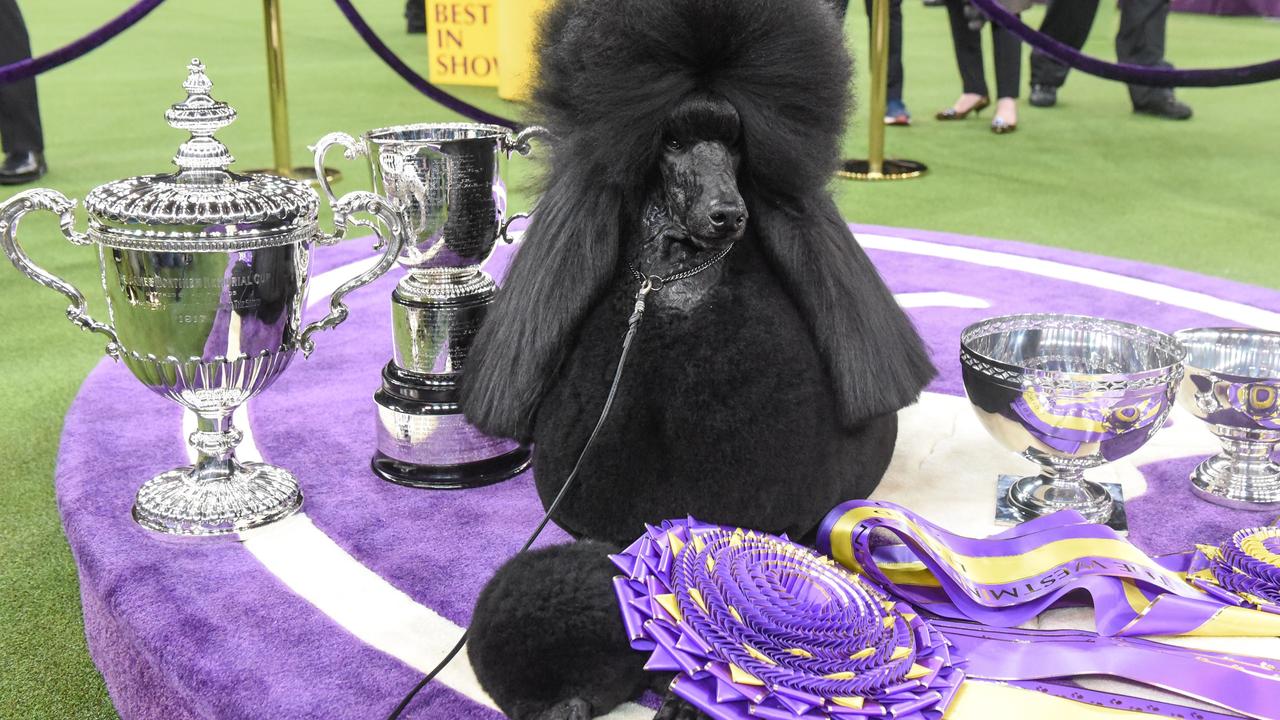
<point x="452" y="477"/>
<point x="890" y="170"/>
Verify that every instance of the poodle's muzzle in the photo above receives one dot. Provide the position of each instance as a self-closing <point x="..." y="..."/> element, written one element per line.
<point x="701" y="183"/>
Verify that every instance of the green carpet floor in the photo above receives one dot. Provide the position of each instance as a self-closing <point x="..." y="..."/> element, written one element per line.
<point x="1089" y="175"/>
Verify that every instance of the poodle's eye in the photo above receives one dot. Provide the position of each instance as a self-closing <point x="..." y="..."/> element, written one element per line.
<point x="674" y="144"/>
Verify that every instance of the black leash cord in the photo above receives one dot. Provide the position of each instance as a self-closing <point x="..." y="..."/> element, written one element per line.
<point x="650" y="283"/>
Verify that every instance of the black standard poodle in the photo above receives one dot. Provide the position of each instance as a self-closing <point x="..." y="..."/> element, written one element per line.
<point x="759" y="392"/>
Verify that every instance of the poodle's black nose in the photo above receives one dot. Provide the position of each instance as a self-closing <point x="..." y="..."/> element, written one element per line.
<point x="727" y="216"/>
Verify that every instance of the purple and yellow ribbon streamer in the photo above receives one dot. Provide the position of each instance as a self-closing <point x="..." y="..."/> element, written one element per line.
<point x="1009" y="579"/>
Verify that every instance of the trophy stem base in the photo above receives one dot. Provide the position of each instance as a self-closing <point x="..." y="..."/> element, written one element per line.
<point x="181" y="504"/>
<point x="1019" y="499"/>
<point x="889" y="170"/>
<point x="452" y="477"/>
<point x="1243" y="483"/>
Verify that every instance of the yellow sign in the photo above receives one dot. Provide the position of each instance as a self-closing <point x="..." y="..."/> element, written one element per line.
<point x="517" y="25"/>
<point x="462" y="42"/>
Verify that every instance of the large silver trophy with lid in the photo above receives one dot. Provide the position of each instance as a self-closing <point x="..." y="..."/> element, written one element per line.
<point x="205" y="273"/>
<point x="446" y="182"/>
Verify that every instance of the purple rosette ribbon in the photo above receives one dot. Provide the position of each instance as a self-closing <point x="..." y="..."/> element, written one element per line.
<point x="756" y="626"/>
<point x="1244" y="570"/>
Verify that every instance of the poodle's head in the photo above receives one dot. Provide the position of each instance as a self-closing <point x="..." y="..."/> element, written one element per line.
<point x="618" y="80"/>
<point x="694" y="203"/>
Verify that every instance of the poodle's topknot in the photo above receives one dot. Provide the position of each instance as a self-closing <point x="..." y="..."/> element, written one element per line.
<point x="610" y="73"/>
<point x="611" y="65"/>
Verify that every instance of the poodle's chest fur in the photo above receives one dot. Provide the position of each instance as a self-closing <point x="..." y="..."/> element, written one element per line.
<point x="724" y="412"/>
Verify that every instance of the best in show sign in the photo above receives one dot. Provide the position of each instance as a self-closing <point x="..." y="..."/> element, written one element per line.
<point x="462" y="42"/>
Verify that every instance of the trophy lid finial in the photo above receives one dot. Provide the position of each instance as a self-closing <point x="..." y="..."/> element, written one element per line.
<point x="201" y="116"/>
<point x="204" y="205"/>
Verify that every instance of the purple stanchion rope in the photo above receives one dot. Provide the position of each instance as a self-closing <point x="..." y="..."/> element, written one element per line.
<point x="1132" y="74"/>
<point x="421" y="84"/>
<point x="34" y="66"/>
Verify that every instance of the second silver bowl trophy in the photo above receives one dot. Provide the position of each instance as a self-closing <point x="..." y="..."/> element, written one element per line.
<point x="1069" y="393"/>
<point x="446" y="183"/>
<point x="1233" y="384"/>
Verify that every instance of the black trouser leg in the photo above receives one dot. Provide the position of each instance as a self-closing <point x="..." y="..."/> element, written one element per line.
<point x="968" y="44"/>
<point x="19" y="109"/>
<point x="1141" y="42"/>
<point x="1066" y="21"/>
<point x="895" y="47"/>
<point x="1008" y="58"/>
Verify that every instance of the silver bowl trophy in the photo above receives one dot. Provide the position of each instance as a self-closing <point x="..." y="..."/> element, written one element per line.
<point x="446" y="181"/>
<point x="1069" y="393"/>
<point x="1233" y="384"/>
<point x="205" y="272"/>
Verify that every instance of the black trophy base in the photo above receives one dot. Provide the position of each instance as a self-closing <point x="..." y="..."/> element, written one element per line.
<point x="424" y="441"/>
<point x="452" y="477"/>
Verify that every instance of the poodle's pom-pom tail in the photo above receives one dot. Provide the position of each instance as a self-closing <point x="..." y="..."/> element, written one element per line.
<point x="546" y="631"/>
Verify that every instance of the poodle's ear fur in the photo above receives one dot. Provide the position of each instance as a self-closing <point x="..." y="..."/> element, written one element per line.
<point x="609" y="74"/>
<point x="560" y="268"/>
<point x="873" y="354"/>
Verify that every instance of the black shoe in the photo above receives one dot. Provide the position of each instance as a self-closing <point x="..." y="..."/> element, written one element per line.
<point x="1043" y="95"/>
<point x="1168" y="107"/>
<point x="22" y="167"/>
<point x="415" y="13"/>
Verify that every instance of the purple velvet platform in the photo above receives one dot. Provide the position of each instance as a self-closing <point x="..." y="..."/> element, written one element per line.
<point x="334" y="614"/>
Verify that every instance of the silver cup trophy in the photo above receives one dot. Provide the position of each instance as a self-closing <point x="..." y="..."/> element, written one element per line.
<point x="205" y="273"/>
<point x="1233" y="384"/>
<point x="446" y="181"/>
<point x="1069" y="393"/>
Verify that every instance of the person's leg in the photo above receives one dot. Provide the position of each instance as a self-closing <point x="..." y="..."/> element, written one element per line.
<point x="1007" y="49"/>
<point x="895" y="51"/>
<point x="895" y="107"/>
<point x="19" y="109"/>
<point x="1140" y="41"/>
<point x="1067" y="21"/>
<point x="968" y="47"/>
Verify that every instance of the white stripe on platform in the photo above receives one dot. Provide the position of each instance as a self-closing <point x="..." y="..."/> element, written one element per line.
<point x="316" y="568"/>
<point x="1190" y="299"/>
<point x="940" y="299"/>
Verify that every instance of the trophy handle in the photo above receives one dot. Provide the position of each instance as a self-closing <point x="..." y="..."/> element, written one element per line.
<point x="352" y="149"/>
<point x="55" y="202"/>
<point x="506" y="224"/>
<point x="519" y="143"/>
<point x="391" y="242"/>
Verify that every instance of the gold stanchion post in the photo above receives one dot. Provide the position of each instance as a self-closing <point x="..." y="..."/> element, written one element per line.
<point x="876" y="167"/>
<point x="279" y="101"/>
